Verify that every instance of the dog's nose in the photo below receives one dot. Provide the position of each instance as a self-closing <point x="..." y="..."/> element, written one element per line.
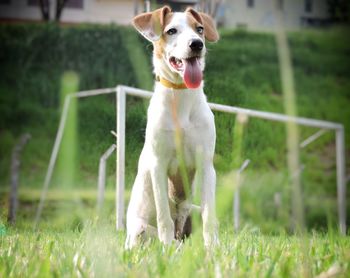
<point x="196" y="45"/>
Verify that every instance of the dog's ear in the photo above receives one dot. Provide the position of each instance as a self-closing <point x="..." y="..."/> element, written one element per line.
<point x="210" y="32"/>
<point x="151" y="24"/>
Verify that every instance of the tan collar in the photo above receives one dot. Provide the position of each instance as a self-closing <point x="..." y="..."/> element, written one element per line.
<point x="169" y="84"/>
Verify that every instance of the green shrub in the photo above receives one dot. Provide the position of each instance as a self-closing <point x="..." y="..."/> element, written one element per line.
<point x="33" y="59"/>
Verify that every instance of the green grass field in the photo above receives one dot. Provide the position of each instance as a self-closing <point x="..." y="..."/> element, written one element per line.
<point x="80" y="244"/>
<point x="96" y="250"/>
<point x="242" y="70"/>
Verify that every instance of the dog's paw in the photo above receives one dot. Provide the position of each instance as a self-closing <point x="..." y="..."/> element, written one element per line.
<point x="130" y="243"/>
<point x="166" y="232"/>
<point x="134" y="240"/>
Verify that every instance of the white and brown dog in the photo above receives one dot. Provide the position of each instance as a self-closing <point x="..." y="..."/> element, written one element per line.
<point x="159" y="197"/>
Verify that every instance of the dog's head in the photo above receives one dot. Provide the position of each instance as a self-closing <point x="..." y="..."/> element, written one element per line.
<point x="179" y="40"/>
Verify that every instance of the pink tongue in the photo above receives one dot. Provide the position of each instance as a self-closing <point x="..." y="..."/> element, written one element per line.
<point x="192" y="73"/>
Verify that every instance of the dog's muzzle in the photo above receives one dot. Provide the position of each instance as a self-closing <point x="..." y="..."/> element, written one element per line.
<point x="196" y="45"/>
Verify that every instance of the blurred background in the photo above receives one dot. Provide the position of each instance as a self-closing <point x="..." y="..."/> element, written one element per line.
<point x="40" y="40"/>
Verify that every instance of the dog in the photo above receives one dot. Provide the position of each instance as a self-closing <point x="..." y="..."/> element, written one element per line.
<point x="179" y="121"/>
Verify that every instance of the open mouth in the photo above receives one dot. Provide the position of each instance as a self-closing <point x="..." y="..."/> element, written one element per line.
<point x="191" y="68"/>
<point x="176" y="63"/>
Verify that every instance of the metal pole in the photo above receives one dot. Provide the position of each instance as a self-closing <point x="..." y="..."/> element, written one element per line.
<point x="91" y="93"/>
<point x="53" y="158"/>
<point x="341" y="186"/>
<point x="249" y="112"/>
<point x="236" y="205"/>
<point x="312" y="138"/>
<point x="15" y="165"/>
<point x="147" y="6"/>
<point x="101" y="183"/>
<point x="136" y="7"/>
<point x="236" y="199"/>
<point x="102" y="176"/>
<point x="120" y="170"/>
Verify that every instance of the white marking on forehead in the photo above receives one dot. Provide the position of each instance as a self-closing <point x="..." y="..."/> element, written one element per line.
<point x="178" y="19"/>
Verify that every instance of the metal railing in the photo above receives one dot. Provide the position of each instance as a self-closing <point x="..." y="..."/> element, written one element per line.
<point x="121" y="93"/>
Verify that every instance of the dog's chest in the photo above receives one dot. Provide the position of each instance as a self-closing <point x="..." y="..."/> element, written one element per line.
<point x="183" y="150"/>
<point x="178" y="127"/>
<point x="180" y="145"/>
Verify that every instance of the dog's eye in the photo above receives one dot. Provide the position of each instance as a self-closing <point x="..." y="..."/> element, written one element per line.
<point x="200" y="30"/>
<point x="171" y="31"/>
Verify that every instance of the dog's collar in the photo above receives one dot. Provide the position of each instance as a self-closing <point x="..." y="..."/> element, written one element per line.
<point x="170" y="84"/>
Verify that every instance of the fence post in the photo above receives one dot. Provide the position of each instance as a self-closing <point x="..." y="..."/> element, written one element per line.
<point x="341" y="189"/>
<point x="15" y="164"/>
<point x="236" y="198"/>
<point x="236" y="206"/>
<point x="120" y="167"/>
<point x="101" y="185"/>
<point x="53" y="158"/>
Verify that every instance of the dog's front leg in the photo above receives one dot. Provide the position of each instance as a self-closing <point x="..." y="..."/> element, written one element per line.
<point x="208" y="205"/>
<point x="165" y="223"/>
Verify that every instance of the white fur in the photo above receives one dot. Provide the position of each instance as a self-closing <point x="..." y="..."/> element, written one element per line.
<point x="150" y="205"/>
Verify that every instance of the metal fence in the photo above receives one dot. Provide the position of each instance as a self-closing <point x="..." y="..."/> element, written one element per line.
<point x="121" y="93"/>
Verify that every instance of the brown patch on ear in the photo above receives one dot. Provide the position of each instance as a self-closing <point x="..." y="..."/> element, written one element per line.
<point x="194" y="14"/>
<point x="158" y="47"/>
<point x="167" y="18"/>
<point x="210" y="32"/>
<point x="151" y="24"/>
<point x="193" y="21"/>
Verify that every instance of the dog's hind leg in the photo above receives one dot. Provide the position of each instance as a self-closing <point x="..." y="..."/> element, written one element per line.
<point x="183" y="231"/>
<point x="183" y="223"/>
<point x="187" y="229"/>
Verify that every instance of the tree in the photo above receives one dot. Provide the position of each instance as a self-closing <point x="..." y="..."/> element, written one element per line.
<point x="338" y="10"/>
<point x="59" y="8"/>
<point x="45" y="9"/>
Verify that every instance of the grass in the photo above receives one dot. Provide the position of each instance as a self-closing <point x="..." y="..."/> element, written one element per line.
<point x="97" y="251"/>
<point x="242" y="70"/>
<point x="72" y="242"/>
